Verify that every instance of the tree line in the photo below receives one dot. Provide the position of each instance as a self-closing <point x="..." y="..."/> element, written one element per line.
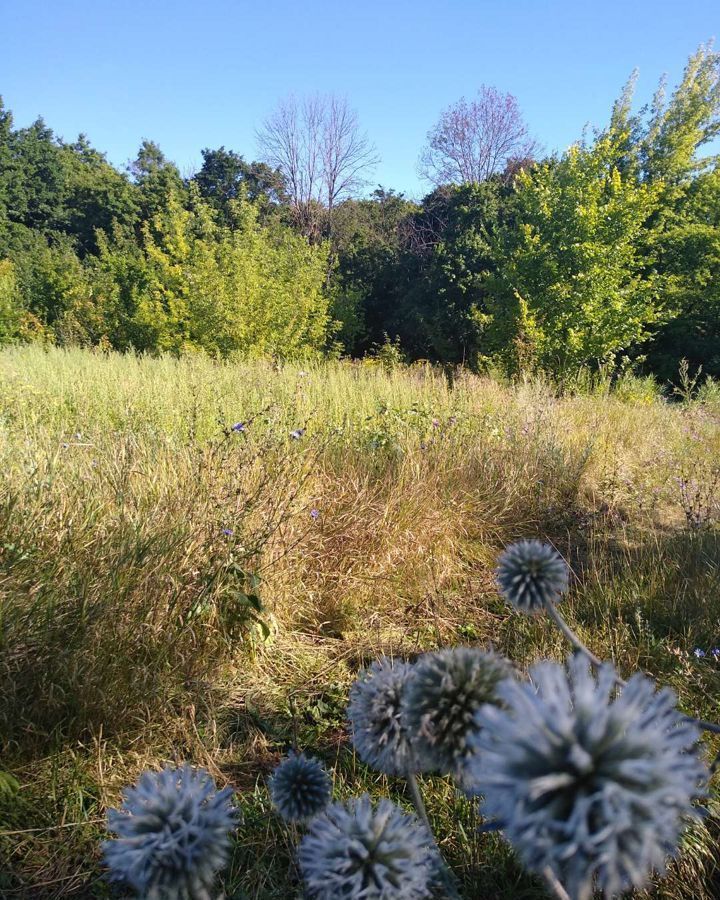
<point x="605" y="254"/>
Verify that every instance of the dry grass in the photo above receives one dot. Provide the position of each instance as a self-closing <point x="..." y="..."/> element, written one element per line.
<point x="127" y="626"/>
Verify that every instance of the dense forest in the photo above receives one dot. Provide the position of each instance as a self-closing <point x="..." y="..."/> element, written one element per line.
<point x="605" y="254"/>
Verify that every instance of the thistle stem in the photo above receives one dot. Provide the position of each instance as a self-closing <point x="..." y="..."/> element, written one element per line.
<point x="554" y="884"/>
<point x="573" y="638"/>
<point x="417" y="800"/>
<point x="580" y="646"/>
<point x="419" y="805"/>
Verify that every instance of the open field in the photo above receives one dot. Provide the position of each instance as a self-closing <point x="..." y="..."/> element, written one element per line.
<point x="365" y="508"/>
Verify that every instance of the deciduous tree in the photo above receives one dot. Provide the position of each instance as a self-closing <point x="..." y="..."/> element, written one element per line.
<point x="474" y="140"/>
<point x="317" y="144"/>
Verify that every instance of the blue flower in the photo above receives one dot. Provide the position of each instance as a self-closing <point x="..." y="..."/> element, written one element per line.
<point x="531" y="574"/>
<point x="228" y="532"/>
<point x="239" y="426"/>
<point x="592" y="782"/>
<point x="300" y="788"/>
<point x="375" y="714"/>
<point x="314" y="513"/>
<point x="297" y="434"/>
<point x="354" y="851"/>
<point x="173" y="834"/>
<point x="443" y="693"/>
<point x="699" y="652"/>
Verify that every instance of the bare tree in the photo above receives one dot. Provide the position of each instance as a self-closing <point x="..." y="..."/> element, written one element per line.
<point x="473" y="141"/>
<point x="317" y="144"/>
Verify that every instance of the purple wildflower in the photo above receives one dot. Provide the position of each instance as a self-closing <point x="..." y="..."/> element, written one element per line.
<point x="699" y="653"/>
<point x="297" y="434"/>
<point x="238" y="426"/>
<point x="314" y="513"/>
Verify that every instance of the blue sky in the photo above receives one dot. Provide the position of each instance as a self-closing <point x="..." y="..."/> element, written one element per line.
<point x="194" y="74"/>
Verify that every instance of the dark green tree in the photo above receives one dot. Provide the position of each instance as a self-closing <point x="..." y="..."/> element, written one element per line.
<point x="96" y="195"/>
<point x="225" y="176"/>
<point x="157" y="179"/>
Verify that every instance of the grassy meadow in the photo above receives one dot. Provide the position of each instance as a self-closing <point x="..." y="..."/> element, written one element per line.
<point x="173" y="587"/>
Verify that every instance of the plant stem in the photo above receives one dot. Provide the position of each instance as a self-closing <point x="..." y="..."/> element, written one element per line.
<point x="418" y="801"/>
<point x="574" y="639"/>
<point x="554" y="884"/>
<point x="578" y="644"/>
<point x="448" y="877"/>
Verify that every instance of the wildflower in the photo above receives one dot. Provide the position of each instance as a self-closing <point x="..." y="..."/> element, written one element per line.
<point x="588" y="781"/>
<point x="300" y="788"/>
<point x="314" y="513"/>
<point x="699" y="652"/>
<point x="715" y="652"/>
<point x="375" y="714"/>
<point x="436" y="423"/>
<point x="239" y="426"/>
<point x="531" y="574"/>
<point x="228" y="532"/>
<point x="447" y="688"/>
<point x="172" y="832"/>
<point x="297" y="434"/>
<point x="353" y="850"/>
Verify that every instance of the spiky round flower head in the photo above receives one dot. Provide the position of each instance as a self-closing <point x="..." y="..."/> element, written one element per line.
<point x="375" y="714"/>
<point x="441" y="698"/>
<point x="300" y="788"/>
<point x="531" y="574"/>
<point x="592" y="781"/>
<point x="173" y="834"/>
<point x="352" y="850"/>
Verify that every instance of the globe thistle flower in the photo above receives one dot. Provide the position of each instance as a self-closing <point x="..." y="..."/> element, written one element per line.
<point x="375" y="714"/>
<point x="300" y="788"/>
<point x="172" y="832"/>
<point x="531" y="574"/>
<point x="446" y="690"/>
<point x="353" y="850"/>
<point x="588" y="781"/>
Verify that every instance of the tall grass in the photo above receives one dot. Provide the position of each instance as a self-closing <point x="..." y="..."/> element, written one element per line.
<point x="365" y="508"/>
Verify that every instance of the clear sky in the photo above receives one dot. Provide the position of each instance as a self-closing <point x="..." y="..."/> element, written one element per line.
<point x="200" y="73"/>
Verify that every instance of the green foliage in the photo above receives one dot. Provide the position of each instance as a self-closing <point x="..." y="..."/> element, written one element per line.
<point x="97" y="195"/>
<point x="366" y="241"/>
<point x="50" y="276"/>
<point x="225" y="176"/>
<point x="449" y="298"/>
<point x="690" y="119"/>
<point x="689" y="251"/>
<point x="198" y="285"/>
<point x="574" y="283"/>
<point x="10" y="306"/>
<point x="606" y="254"/>
<point x="157" y="179"/>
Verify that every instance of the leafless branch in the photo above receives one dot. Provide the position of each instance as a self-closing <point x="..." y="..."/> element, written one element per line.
<point x="317" y="144"/>
<point x="473" y="141"/>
